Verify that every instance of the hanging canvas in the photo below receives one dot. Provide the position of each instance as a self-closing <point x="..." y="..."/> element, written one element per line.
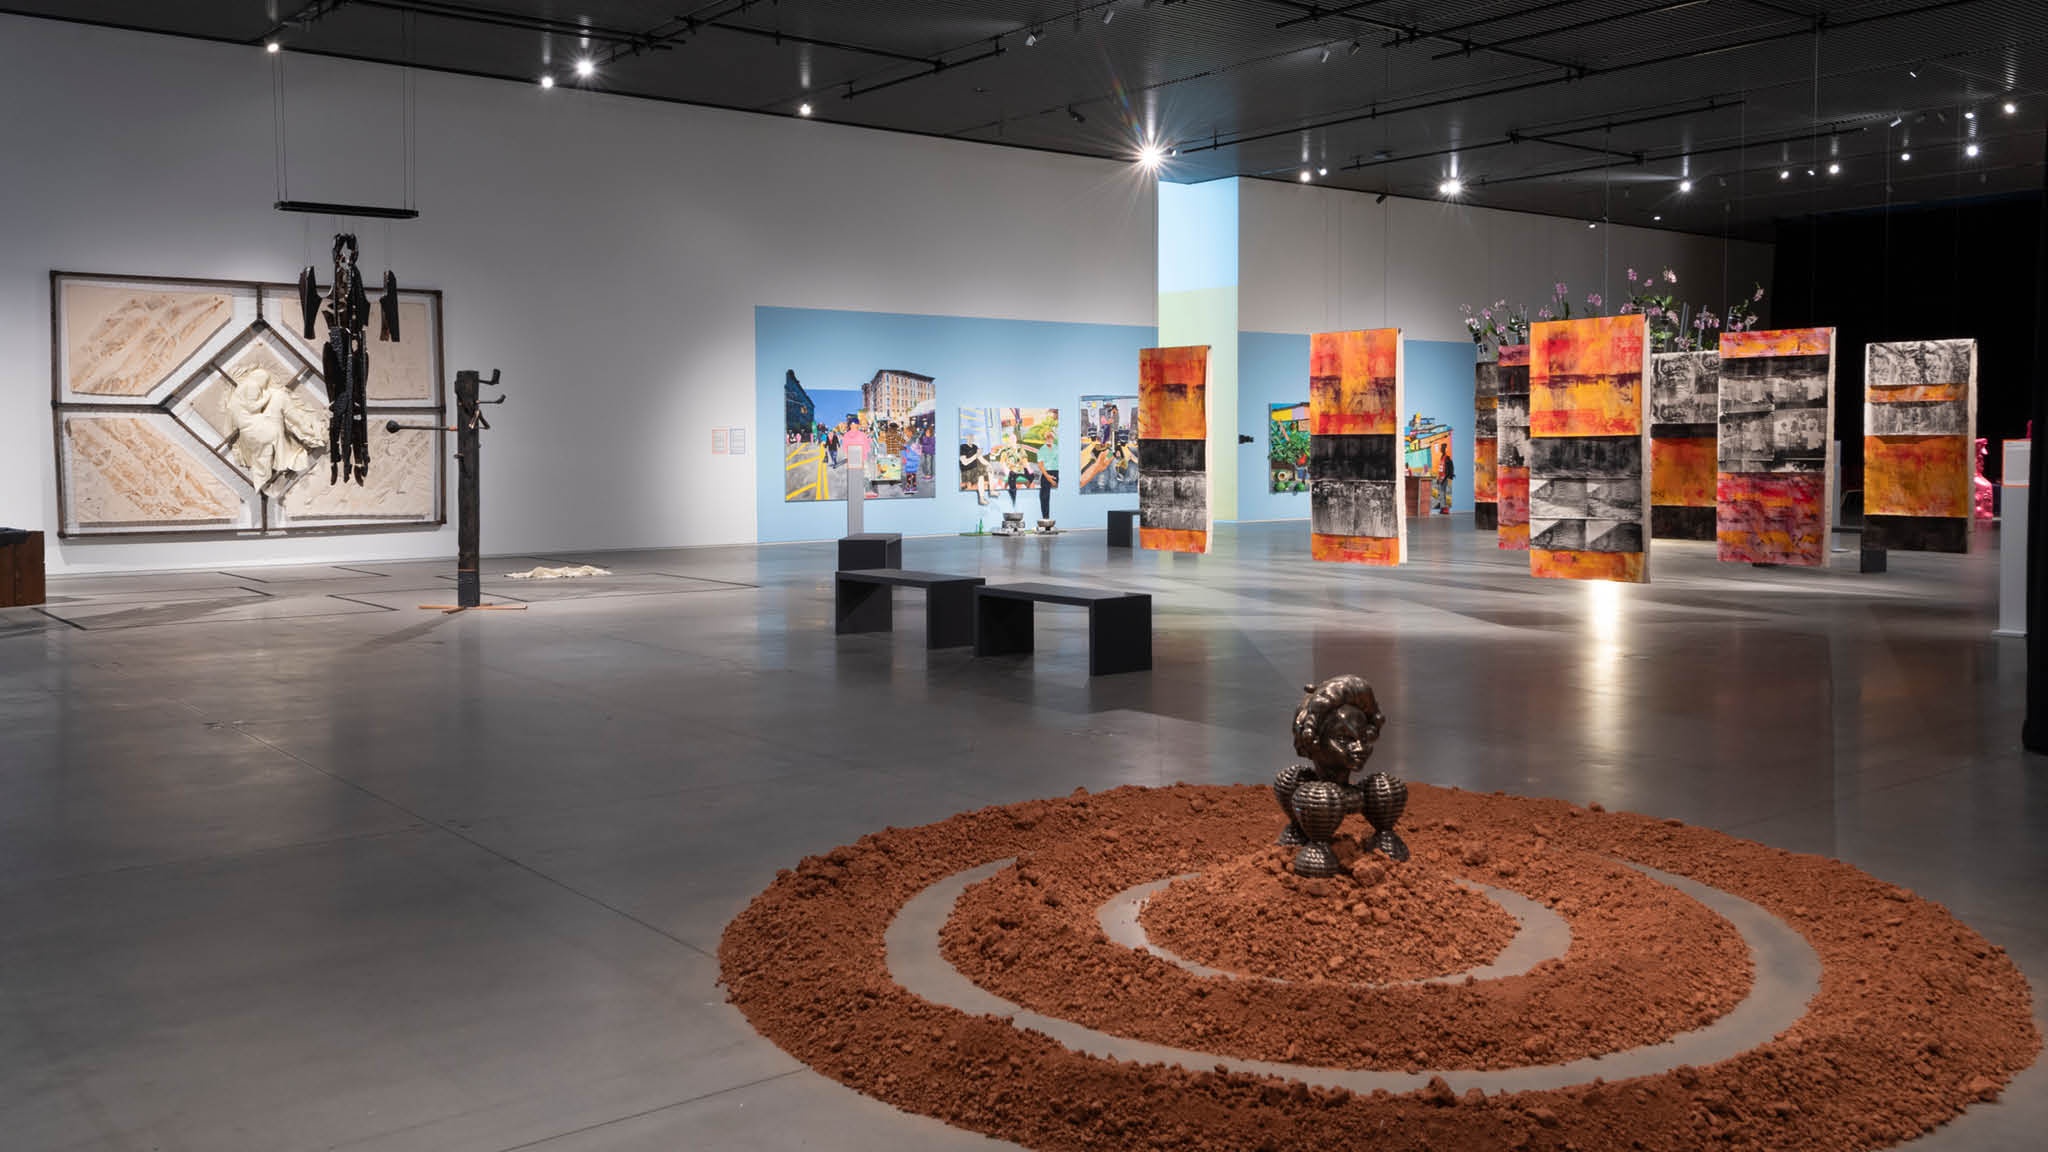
<point x="1354" y="400"/>
<point x="1511" y="427"/>
<point x="1919" y="415"/>
<point x="1287" y="447"/>
<point x="1485" y="445"/>
<point x="1589" y="487"/>
<point x="1173" y="447"/>
<point x="1109" y="445"/>
<point x="891" y="421"/>
<point x="1684" y="405"/>
<point x="189" y="406"/>
<point x="1775" y="446"/>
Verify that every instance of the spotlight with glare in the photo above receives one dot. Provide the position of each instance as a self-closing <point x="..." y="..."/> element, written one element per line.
<point x="1685" y="185"/>
<point x="1656" y="217"/>
<point x="1969" y="115"/>
<point x="1451" y="187"/>
<point x="1970" y="151"/>
<point x="803" y="109"/>
<point x="1590" y="224"/>
<point x="273" y="47"/>
<point x="547" y="81"/>
<point x="1305" y="176"/>
<point x="1905" y="157"/>
<point x="2011" y="107"/>
<point x="1322" y="171"/>
<point x="1834" y="169"/>
<point x="586" y="67"/>
<point x="1784" y="173"/>
<point x="1150" y="156"/>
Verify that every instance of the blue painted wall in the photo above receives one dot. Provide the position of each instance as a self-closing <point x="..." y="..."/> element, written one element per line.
<point x="1197" y="236"/>
<point x="976" y="363"/>
<point x="1272" y="368"/>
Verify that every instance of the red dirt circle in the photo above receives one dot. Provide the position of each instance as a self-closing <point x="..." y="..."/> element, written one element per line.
<point x="1917" y="1016"/>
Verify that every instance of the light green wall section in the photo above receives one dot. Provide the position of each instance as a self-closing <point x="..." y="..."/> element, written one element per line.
<point x="1209" y="316"/>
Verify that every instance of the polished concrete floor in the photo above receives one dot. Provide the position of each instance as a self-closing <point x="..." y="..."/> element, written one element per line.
<point x="286" y="863"/>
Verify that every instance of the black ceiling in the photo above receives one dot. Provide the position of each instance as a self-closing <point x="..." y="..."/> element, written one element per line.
<point x="1586" y="108"/>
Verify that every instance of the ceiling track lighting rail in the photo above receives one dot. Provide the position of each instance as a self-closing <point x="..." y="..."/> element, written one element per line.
<point x="1547" y="136"/>
<point x="1468" y="46"/>
<point x="1577" y="72"/>
<point x="1576" y="26"/>
<point x="1794" y="137"/>
<point x="1481" y="22"/>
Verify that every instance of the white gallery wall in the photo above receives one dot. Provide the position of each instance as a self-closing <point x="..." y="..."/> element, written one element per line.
<point x="1315" y="259"/>
<point x="606" y="253"/>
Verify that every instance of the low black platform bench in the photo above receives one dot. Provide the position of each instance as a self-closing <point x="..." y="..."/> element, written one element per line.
<point x="861" y="601"/>
<point x="1119" y="623"/>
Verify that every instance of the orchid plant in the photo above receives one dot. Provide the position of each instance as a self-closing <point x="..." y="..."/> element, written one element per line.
<point x="1673" y="325"/>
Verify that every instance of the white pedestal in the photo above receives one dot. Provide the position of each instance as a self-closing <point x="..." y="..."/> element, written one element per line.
<point x="2012" y="541"/>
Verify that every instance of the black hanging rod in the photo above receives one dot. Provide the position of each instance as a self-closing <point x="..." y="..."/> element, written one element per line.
<point x="316" y="208"/>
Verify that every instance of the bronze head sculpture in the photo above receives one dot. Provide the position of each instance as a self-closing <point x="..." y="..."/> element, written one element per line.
<point x="1337" y="727"/>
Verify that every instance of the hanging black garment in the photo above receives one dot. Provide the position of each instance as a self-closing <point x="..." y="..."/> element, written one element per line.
<point x="387" y="309"/>
<point x="309" y="301"/>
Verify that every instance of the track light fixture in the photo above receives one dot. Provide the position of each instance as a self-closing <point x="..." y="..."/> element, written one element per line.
<point x="1305" y="177"/>
<point x="1354" y="49"/>
<point x="1380" y="199"/>
<point x="1970" y="151"/>
<point x="1108" y="14"/>
<point x="586" y="68"/>
<point x="1150" y="156"/>
<point x="803" y="109"/>
<point x="1905" y="157"/>
<point x="1325" y="58"/>
<point x="273" y="47"/>
<point x="1784" y="173"/>
<point x="1031" y="37"/>
<point x="1834" y="169"/>
<point x="546" y="82"/>
<point x="1451" y="187"/>
<point x="1685" y="185"/>
<point x="1655" y="218"/>
<point x="2011" y="108"/>
<point x="1075" y="115"/>
<point x="1322" y="171"/>
<point x="1897" y="120"/>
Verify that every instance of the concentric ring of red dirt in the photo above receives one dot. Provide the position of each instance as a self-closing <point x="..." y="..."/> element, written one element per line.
<point x="1373" y="923"/>
<point x="1646" y="962"/>
<point x="1917" y="1015"/>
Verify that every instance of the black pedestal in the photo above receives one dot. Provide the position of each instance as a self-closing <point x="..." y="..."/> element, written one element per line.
<point x="1870" y="560"/>
<point x="1123" y="528"/>
<point x="871" y="550"/>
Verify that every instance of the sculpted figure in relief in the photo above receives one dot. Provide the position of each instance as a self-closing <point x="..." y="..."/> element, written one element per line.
<point x="274" y="429"/>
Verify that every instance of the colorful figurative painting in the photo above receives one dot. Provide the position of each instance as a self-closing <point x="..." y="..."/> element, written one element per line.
<point x="1919" y="414"/>
<point x="1287" y="446"/>
<point x="1774" y="447"/>
<point x="889" y="423"/>
<point x="1355" y="509"/>
<point x="1109" y="445"/>
<point x="1173" y="446"/>
<point x="1485" y="446"/>
<point x="1684" y="405"/>
<point x="1589" y="485"/>
<point x="1511" y="425"/>
<point x="1007" y="450"/>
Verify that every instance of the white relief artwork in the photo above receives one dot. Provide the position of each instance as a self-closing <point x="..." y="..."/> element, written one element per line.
<point x="125" y="341"/>
<point x="273" y="429"/>
<point x="401" y="484"/>
<point x="124" y="471"/>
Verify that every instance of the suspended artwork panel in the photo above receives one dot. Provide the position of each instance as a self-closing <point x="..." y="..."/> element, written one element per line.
<point x="1919" y="415"/>
<point x="1775" y="446"/>
<point x="1684" y="405"/>
<point x="1511" y="426"/>
<point x="1173" y="446"/>
<point x="1356" y="513"/>
<point x="1485" y="444"/>
<point x="1589" y="484"/>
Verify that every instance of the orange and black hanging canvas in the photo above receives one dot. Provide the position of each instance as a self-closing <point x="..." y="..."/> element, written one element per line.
<point x="1684" y="405"/>
<point x="1511" y="446"/>
<point x="1775" y="446"/>
<point x="1354" y="415"/>
<point x="1919" y="420"/>
<point x="1589" y="483"/>
<point x="1173" y="445"/>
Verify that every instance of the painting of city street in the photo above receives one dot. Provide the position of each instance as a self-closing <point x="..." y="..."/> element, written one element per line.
<point x="887" y="424"/>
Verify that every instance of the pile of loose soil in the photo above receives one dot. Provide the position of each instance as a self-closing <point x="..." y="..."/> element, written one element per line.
<point x="1917" y="1016"/>
<point x="1375" y="922"/>
<point x="1645" y="963"/>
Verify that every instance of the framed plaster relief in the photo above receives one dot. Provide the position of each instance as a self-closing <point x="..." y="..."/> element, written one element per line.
<point x="194" y="407"/>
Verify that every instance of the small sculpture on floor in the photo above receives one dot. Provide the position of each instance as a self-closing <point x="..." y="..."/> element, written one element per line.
<point x="1336" y="727"/>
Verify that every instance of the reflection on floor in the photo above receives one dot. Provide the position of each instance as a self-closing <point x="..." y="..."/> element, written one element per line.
<point x="286" y="863"/>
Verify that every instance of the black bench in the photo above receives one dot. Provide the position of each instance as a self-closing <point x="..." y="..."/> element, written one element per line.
<point x="871" y="550"/>
<point x="1119" y="623"/>
<point x="1123" y="529"/>
<point x="861" y="602"/>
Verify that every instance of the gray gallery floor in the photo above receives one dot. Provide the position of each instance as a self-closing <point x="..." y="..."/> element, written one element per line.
<point x="286" y="863"/>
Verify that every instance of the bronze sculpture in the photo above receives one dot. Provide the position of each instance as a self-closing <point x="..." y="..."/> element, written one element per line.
<point x="1336" y="727"/>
